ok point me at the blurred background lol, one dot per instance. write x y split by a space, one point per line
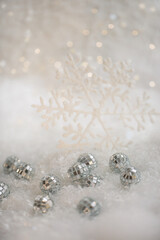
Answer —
37 36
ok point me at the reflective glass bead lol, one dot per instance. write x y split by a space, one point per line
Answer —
89 207
4 190
89 160
24 170
42 204
10 164
50 184
91 180
78 171
118 162
130 176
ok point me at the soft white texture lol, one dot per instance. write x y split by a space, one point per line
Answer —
126 214
132 213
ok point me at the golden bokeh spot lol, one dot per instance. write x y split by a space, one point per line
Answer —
142 6
26 64
94 10
123 24
152 46
135 32
22 59
26 40
110 26
84 64
85 32
136 77
104 32
99 44
57 64
37 51
13 71
100 59
90 74
152 84
69 44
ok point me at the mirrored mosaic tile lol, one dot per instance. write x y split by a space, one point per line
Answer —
4 190
10 164
50 184
78 171
89 160
91 180
42 204
24 170
118 162
89 207
130 176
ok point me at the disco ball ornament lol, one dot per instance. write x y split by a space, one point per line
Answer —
78 171
10 164
24 171
50 184
89 207
89 160
91 180
130 176
42 204
4 190
118 162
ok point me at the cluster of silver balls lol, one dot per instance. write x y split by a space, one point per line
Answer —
81 171
49 185
119 163
20 169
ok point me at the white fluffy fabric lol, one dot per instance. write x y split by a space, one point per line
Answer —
126 214
27 73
